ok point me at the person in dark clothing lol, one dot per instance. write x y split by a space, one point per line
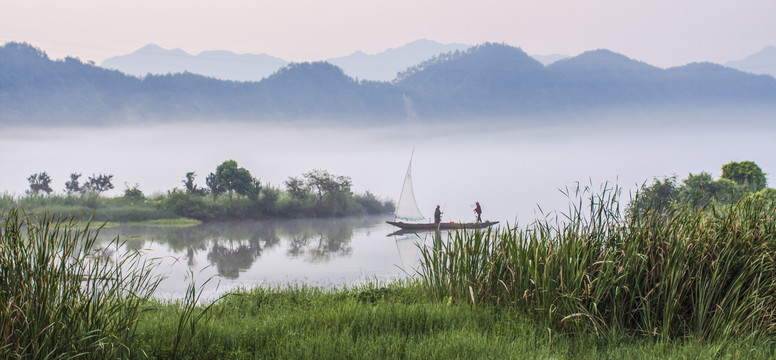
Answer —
437 215
478 210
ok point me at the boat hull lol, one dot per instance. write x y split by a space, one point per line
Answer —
442 226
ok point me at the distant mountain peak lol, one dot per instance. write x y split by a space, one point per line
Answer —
762 62
221 64
385 65
601 60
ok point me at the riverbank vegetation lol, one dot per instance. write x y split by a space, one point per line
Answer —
704 273
61 296
232 193
678 284
667 280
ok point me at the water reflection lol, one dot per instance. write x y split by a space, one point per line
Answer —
234 247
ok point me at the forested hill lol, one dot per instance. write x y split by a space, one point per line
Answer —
489 80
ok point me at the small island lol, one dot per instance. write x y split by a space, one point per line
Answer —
231 193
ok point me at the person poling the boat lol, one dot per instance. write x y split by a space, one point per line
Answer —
437 215
478 211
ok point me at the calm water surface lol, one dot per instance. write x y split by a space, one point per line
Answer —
336 252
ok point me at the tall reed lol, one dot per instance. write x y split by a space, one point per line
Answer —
706 273
60 297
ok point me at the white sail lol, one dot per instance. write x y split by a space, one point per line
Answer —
407 209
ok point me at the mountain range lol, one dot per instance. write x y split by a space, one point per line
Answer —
487 81
225 65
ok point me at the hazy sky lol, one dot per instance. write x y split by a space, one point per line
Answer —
660 32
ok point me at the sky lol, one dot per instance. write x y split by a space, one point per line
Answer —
660 32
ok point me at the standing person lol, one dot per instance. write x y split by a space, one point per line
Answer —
478 210
437 215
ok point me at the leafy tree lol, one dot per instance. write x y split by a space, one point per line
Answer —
39 182
297 188
213 183
324 183
133 193
726 191
191 187
72 186
373 206
768 194
233 179
333 195
253 191
658 195
698 189
746 174
99 183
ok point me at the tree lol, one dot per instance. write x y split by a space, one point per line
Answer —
726 191
39 182
698 189
746 174
324 183
133 193
191 187
72 186
233 179
769 194
99 183
659 195
297 188
213 183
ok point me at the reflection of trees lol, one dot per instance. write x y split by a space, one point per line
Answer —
234 246
230 260
319 241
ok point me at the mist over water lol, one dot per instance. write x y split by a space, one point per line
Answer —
509 169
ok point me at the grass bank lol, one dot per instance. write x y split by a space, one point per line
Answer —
396 321
684 283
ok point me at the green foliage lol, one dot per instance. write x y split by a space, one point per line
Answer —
297 188
660 195
374 206
72 186
191 187
665 274
233 179
317 194
727 192
698 189
99 183
746 174
739 180
394 321
768 194
133 193
39 183
189 206
62 297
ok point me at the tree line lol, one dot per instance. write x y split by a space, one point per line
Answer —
41 183
738 180
231 192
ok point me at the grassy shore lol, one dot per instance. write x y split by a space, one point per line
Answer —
396 321
687 283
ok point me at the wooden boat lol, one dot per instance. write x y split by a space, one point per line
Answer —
442 226
409 218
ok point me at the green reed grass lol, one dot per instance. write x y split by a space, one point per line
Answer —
60 297
394 321
705 273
